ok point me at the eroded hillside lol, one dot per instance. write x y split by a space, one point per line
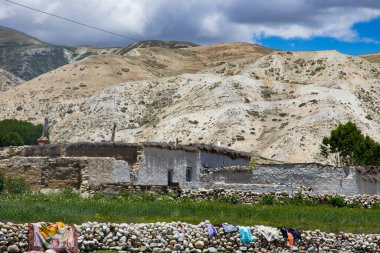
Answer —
8 80
278 105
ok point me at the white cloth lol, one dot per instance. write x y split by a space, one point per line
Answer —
269 233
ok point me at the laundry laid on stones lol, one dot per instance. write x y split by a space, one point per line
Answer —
269 233
211 230
54 235
229 228
245 235
290 234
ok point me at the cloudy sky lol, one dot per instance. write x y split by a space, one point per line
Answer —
349 26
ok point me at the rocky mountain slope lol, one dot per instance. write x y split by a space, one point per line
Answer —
8 80
28 57
277 105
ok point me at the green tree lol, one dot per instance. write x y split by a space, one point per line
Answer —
15 133
12 139
349 146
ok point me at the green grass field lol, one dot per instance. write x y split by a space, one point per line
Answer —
73 209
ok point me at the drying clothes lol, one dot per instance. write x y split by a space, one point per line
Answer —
290 240
229 228
211 230
284 232
245 235
269 233
296 234
56 235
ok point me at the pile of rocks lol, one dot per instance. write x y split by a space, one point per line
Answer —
13 237
184 237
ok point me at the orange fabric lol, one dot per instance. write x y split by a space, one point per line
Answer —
290 240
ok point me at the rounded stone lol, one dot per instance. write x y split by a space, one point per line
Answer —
199 245
13 249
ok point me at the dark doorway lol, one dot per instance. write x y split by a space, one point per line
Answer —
170 177
189 174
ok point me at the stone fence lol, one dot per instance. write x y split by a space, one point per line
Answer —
184 237
242 197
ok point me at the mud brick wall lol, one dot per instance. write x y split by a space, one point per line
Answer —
42 172
62 172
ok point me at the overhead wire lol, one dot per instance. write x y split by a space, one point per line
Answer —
73 21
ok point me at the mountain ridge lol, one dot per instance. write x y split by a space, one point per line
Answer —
28 57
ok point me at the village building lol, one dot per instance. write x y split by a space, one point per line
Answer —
115 165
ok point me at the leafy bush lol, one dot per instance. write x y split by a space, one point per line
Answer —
252 164
2 181
68 193
138 196
268 200
16 133
337 201
17 186
299 199
231 199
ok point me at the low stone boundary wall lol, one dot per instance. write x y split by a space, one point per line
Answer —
244 197
184 237
248 197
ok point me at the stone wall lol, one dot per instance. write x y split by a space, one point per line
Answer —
87 173
92 166
41 172
185 237
100 172
287 177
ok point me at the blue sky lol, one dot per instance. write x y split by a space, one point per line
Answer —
368 41
349 26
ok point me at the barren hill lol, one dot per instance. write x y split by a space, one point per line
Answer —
374 58
92 74
278 105
172 44
11 37
8 80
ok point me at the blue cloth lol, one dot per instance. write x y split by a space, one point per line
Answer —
245 235
211 230
229 228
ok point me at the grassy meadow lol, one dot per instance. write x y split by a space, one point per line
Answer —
70 208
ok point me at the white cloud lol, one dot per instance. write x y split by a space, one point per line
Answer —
50 8
194 20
